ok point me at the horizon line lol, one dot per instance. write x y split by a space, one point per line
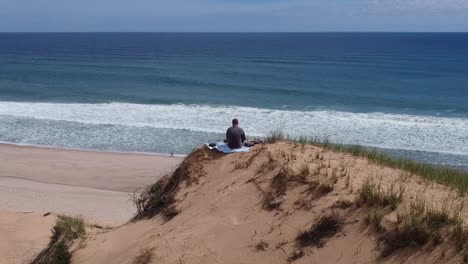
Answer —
228 32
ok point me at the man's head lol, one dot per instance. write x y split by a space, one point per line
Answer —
235 122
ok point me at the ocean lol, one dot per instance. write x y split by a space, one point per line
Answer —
402 93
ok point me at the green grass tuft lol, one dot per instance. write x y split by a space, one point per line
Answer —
66 230
373 195
61 254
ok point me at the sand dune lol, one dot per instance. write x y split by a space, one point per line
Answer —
253 208
279 203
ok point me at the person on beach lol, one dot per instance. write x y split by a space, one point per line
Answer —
235 135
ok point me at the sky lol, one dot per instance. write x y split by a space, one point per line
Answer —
233 15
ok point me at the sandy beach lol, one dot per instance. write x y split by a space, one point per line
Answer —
122 172
279 203
95 185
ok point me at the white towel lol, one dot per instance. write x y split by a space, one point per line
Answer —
222 147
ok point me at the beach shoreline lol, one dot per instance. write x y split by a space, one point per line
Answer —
26 145
88 183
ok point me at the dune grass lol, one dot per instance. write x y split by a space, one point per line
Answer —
275 136
420 224
342 204
278 187
452 177
261 246
325 227
66 230
156 199
374 195
160 198
374 218
441 174
145 256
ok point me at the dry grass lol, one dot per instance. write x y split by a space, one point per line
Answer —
279 183
263 167
278 187
159 198
417 225
420 224
315 186
325 227
324 187
460 237
303 170
261 246
145 256
156 199
342 204
285 178
270 202
267 165
374 218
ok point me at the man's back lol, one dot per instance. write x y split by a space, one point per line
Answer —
235 136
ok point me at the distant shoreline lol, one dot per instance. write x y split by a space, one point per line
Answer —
25 145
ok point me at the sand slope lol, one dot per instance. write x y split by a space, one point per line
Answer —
97 206
223 218
23 235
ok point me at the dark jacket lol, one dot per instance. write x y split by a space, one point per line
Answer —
235 136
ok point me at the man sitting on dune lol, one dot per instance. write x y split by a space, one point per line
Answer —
235 135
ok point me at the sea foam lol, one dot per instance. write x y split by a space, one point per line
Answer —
392 131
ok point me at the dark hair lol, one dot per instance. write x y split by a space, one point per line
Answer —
235 121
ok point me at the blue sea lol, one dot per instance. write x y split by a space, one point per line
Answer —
403 93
